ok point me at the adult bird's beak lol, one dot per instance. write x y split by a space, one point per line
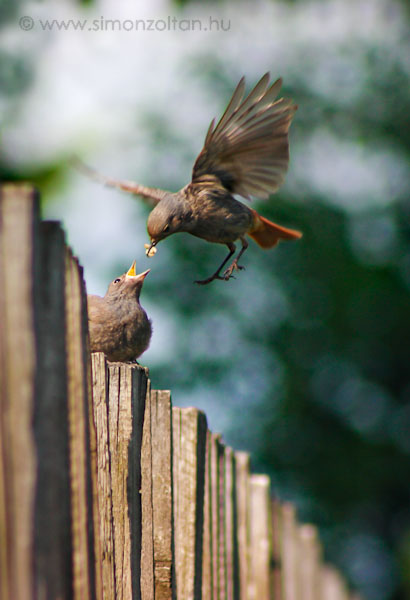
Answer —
132 274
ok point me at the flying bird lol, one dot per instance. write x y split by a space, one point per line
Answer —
117 323
245 154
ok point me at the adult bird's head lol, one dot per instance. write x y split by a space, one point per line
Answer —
171 215
129 285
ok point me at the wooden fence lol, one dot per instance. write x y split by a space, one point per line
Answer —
107 491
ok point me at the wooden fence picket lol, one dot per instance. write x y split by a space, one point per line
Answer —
189 445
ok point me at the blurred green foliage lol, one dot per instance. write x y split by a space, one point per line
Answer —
308 349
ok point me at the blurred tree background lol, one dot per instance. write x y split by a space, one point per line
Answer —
303 359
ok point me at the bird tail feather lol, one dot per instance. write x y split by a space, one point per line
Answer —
268 234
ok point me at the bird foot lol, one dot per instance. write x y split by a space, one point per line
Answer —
233 267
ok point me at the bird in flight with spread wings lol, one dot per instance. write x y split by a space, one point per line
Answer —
245 154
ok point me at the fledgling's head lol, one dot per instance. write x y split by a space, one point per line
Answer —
128 286
168 217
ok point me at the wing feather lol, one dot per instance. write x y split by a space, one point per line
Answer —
248 149
233 103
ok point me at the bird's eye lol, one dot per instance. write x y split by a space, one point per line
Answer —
117 280
166 228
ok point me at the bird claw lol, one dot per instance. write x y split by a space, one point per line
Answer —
234 267
225 277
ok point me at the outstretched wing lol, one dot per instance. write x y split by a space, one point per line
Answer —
248 150
150 195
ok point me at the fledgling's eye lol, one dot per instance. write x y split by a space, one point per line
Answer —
166 228
117 280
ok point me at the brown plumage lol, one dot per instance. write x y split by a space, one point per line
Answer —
118 324
247 153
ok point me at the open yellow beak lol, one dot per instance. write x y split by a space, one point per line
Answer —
132 273
144 274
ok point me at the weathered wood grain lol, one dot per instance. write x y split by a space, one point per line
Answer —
333 585
189 442
207 534
231 527
19 224
52 521
78 370
222 583
140 392
260 557
309 573
127 392
215 444
242 499
105 492
161 431
147 548
276 536
106 557
97 565
290 553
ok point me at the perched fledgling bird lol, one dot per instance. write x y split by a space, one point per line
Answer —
118 324
247 153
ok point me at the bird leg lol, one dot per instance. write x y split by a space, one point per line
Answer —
216 275
234 266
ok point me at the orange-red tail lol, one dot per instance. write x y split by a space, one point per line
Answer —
268 234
